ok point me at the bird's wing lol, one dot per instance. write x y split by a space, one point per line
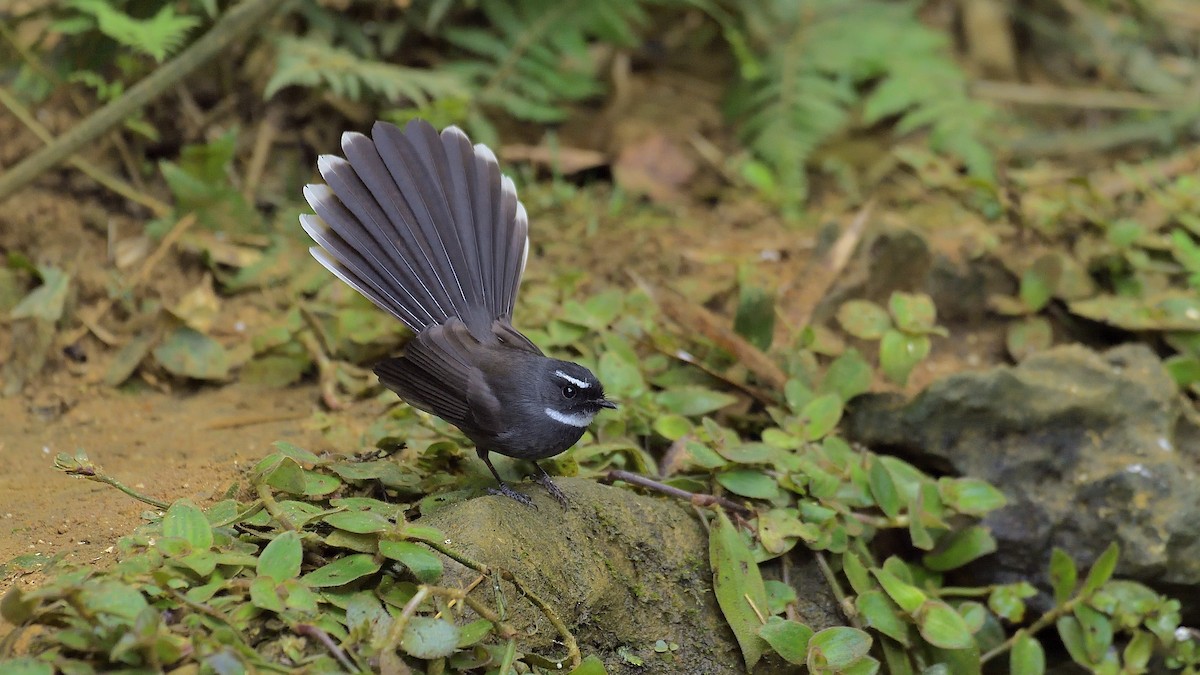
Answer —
436 374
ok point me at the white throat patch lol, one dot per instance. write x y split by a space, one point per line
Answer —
579 419
573 380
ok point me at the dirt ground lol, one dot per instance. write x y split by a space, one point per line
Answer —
165 445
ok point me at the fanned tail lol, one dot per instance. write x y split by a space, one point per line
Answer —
422 224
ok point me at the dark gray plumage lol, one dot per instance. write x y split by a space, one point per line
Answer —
425 226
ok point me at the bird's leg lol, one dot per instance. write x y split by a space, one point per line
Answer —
547 482
504 489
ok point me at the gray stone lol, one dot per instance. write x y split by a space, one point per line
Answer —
1089 448
621 569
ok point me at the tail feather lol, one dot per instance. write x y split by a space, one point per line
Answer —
422 224
351 268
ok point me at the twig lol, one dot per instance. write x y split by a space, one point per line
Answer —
836 588
264 139
694 498
309 630
272 507
820 276
82 467
236 23
254 419
552 616
456 556
157 207
695 318
93 320
1033 94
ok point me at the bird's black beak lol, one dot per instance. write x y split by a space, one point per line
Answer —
605 403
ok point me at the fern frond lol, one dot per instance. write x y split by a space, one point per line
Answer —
817 61
533 56
159 36
311 63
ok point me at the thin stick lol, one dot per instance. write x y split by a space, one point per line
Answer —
234 25
696 499
254 419
551 616
264 139
821 277
693 317
157 207
132 282
82 467
309 630
272 507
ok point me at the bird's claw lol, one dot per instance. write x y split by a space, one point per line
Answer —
505 491
545 481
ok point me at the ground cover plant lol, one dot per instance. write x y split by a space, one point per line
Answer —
752 221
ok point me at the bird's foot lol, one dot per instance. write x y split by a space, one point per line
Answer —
547 482
505 491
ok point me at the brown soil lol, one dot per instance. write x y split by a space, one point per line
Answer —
162 445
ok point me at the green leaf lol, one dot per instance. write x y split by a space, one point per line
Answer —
914 313
788 638
750 483
1102 570
263 594
27 666
856 573
342 571
672 427
959 547
908 597
188 353
836 649
737 583
1138 652
422 562
184 520
970 496
900 352
883 489
359 522
694 401
1063 575
286 476
474 632
848 376
592 665
1027 657
281 557
428 638
821 416
864 319
1097 631
942 626
1028 336
1040 281
1072 638
620 377
883 615
755 317
47 301
1008 601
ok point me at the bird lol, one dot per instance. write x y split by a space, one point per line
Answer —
425 226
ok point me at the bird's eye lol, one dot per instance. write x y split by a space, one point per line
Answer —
568 391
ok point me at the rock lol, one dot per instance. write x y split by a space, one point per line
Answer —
621 569
1089 448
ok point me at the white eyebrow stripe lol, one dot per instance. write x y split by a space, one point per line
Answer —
579 420
573 380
